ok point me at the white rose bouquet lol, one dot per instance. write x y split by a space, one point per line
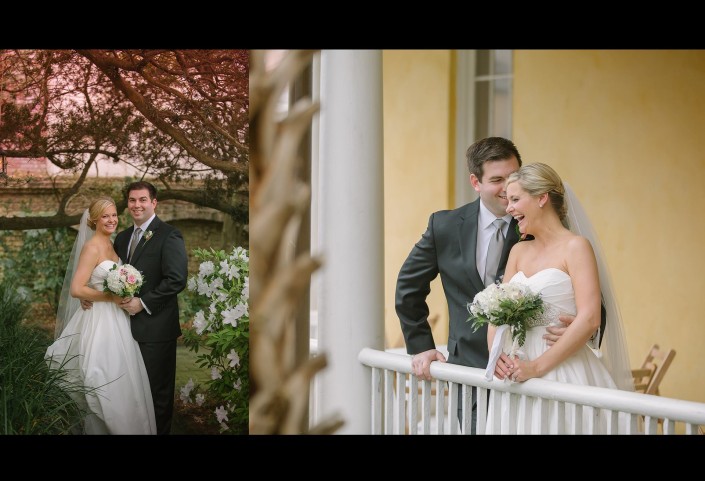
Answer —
125 280
509 307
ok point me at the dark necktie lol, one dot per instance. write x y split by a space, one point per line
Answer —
494 252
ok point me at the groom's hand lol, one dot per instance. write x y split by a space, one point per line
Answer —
132 305
421 363
553 333
86 304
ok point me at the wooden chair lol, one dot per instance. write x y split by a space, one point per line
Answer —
648 377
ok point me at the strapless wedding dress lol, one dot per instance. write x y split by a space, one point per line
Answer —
97 349
583 367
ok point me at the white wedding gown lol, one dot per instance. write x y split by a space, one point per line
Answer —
98 351
583 367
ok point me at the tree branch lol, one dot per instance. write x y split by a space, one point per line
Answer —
151 113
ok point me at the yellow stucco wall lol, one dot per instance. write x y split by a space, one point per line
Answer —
416 166
624 128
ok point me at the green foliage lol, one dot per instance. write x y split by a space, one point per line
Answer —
40 264
33 398
221 331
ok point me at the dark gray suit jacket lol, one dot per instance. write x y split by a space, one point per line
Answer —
163 262
447 247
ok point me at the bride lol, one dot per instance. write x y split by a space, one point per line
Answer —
96 346
563 267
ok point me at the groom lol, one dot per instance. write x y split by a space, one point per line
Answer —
455 245
158 251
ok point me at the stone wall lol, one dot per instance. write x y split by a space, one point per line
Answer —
201 227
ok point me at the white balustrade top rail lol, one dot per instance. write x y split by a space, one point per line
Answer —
654 407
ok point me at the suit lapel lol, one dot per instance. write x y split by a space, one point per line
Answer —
467 239
153 226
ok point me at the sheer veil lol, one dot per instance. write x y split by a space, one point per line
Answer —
69 305
615 355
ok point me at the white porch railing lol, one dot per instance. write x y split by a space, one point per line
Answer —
401 414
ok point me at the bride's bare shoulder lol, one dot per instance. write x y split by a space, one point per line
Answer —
578 244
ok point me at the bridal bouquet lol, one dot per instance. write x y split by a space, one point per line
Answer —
506 304
509 307
125 280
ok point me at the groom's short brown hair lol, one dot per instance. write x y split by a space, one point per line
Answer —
139 185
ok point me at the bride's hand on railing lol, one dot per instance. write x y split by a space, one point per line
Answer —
503 368
421 363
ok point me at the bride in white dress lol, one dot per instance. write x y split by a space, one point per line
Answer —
95 346
563 268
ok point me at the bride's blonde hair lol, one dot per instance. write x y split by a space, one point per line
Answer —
538 179
96 209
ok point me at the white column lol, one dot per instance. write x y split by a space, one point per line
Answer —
351 231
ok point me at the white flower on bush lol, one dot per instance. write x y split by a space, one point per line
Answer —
237 384
199 323
215 373
231 271
207 268
246 289
200 399
202 287
234 358
221 414
185 395
230 316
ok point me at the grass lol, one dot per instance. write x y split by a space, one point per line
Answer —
191 419
186 368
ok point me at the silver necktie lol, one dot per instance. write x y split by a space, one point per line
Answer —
134 242
494 252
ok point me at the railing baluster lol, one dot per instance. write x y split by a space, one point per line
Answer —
543 405
523 415
376 401
413 404
577 419
669 427
426 406
388 401
481 409
453 407
400 401
650 425
611 421
467 409
440 406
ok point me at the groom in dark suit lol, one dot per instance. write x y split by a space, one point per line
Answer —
157 250
455 245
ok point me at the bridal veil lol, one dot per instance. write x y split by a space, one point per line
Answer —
615 355
68 305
